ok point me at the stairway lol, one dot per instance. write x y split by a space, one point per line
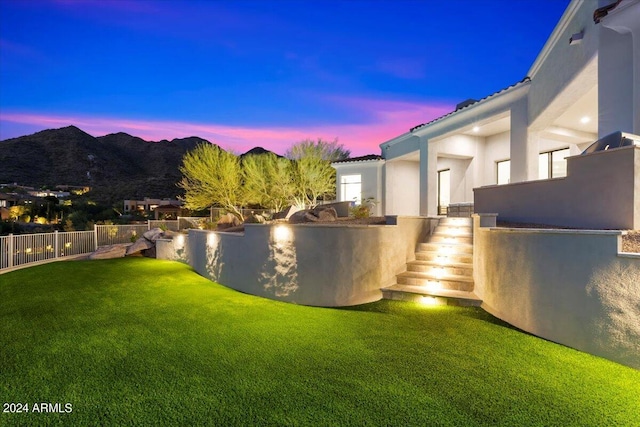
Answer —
442 273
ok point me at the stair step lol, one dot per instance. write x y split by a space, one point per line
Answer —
436 268
431 281
446 247
432 297
444 259
442 238
456 221
454 229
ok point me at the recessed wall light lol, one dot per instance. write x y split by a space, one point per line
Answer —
476 129
585 119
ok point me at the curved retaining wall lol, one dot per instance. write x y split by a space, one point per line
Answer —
569 286
319 265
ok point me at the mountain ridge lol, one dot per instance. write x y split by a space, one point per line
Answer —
116 166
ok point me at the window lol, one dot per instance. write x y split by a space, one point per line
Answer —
503 172
351 188
553 164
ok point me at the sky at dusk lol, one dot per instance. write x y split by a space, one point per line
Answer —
259 73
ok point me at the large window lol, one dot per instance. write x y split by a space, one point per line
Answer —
351 188
503 172
553 164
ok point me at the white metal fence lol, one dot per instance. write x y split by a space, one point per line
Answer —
32 248
21 249
112 234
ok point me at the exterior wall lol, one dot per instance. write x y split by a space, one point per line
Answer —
601 191
371 179
559 62
318 265
496 150
402 188
571 287
462 178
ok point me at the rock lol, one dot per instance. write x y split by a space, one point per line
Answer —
342 208
319 214
326 214
153 234
150 253
140 245
227 221
286 213
111 251
254 219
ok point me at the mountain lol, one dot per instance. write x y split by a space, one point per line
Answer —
117 166
258 151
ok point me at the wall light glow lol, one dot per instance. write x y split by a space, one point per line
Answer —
425 300
281 234
179 240
476 129
212 240
585 119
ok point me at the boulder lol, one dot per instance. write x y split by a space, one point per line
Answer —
154 234
254 219
286 213
227 221
140 245
342 208
319 214
111 251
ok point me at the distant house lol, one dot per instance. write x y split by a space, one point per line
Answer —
160 207
511 152
6 201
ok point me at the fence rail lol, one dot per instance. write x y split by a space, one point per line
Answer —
21 249
33 248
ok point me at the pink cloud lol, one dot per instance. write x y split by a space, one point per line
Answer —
387 119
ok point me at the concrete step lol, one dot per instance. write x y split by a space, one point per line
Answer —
431 297
439 268
446 247
442 238
454 229
443 258
456 221
435 281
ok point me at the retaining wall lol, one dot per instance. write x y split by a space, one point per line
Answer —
572 287
320 265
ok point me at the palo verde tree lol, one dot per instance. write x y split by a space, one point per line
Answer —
311 172
325 150
267 180
212 176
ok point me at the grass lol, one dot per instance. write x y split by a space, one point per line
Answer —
146 342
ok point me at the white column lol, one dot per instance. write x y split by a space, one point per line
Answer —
523 146
619 70
428 178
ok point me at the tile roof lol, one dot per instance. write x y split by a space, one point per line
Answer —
367 158
469 104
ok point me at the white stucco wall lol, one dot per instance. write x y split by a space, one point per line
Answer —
371 180
571 287
496 149
601 191
559 62
402 188
319 265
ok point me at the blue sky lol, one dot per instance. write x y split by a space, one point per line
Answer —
268 73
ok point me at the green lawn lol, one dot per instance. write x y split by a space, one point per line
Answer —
145 342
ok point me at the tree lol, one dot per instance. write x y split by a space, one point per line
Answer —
267 180
325 150
212 176
311 171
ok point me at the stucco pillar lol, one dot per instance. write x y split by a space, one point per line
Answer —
523 146
428 178
619 71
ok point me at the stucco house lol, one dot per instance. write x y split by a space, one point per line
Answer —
517 152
